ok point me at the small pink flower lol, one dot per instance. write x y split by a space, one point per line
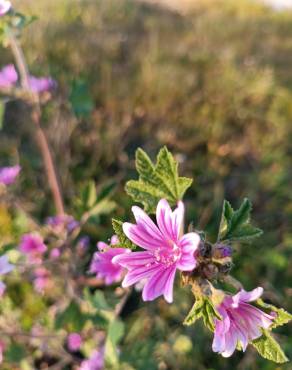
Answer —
95 362
9 174
2 347
5 6
42 279
32 245
102 263
55 253
241 322
41 84
5 267
74 342
8 76
62 223
166 250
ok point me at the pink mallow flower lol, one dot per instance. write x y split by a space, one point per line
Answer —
5 267
74 342
32 245
241 322
102 262
95 362
8 74
166 250
8 174
5 6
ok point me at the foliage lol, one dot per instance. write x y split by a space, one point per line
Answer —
160 181
153 77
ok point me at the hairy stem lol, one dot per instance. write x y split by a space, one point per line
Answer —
36 118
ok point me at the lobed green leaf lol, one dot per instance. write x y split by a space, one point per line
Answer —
269 348
203 308
124 242
235 225
157 181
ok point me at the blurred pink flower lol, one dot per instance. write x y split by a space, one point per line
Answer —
5 267
2 347
74 342
55 253
241 322
8 76
62 223
102 264
9 174
95 362
41 84
5 6
32 245
166 250
42 279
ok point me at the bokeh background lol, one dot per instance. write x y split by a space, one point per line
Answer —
212 80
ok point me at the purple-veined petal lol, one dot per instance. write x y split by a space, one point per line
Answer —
245 296
135 275
160 283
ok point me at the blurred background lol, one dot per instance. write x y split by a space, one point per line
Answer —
212 80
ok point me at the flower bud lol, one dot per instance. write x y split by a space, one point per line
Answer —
222 251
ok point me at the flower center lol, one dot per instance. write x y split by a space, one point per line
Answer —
167 256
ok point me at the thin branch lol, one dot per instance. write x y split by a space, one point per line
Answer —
36 117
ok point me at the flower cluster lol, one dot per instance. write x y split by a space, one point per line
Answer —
166 249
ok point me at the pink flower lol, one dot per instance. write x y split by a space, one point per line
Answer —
95 362
2 347
5 6
62 223
166 250
9 174
41 84
42 279
74 342
5 267
55 253
241 322
102 263
32 245
8 74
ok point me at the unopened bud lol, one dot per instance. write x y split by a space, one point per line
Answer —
222 251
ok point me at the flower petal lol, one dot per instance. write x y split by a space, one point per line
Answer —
244 296
139 236
170 223
137 274
160 283
134 259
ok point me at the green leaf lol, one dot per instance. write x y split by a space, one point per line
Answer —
15 353
124 242
98 300
157 181
203 308
235 225
80 98
71 318
115 332
269 348
282 317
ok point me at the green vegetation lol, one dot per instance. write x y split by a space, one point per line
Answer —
215 86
